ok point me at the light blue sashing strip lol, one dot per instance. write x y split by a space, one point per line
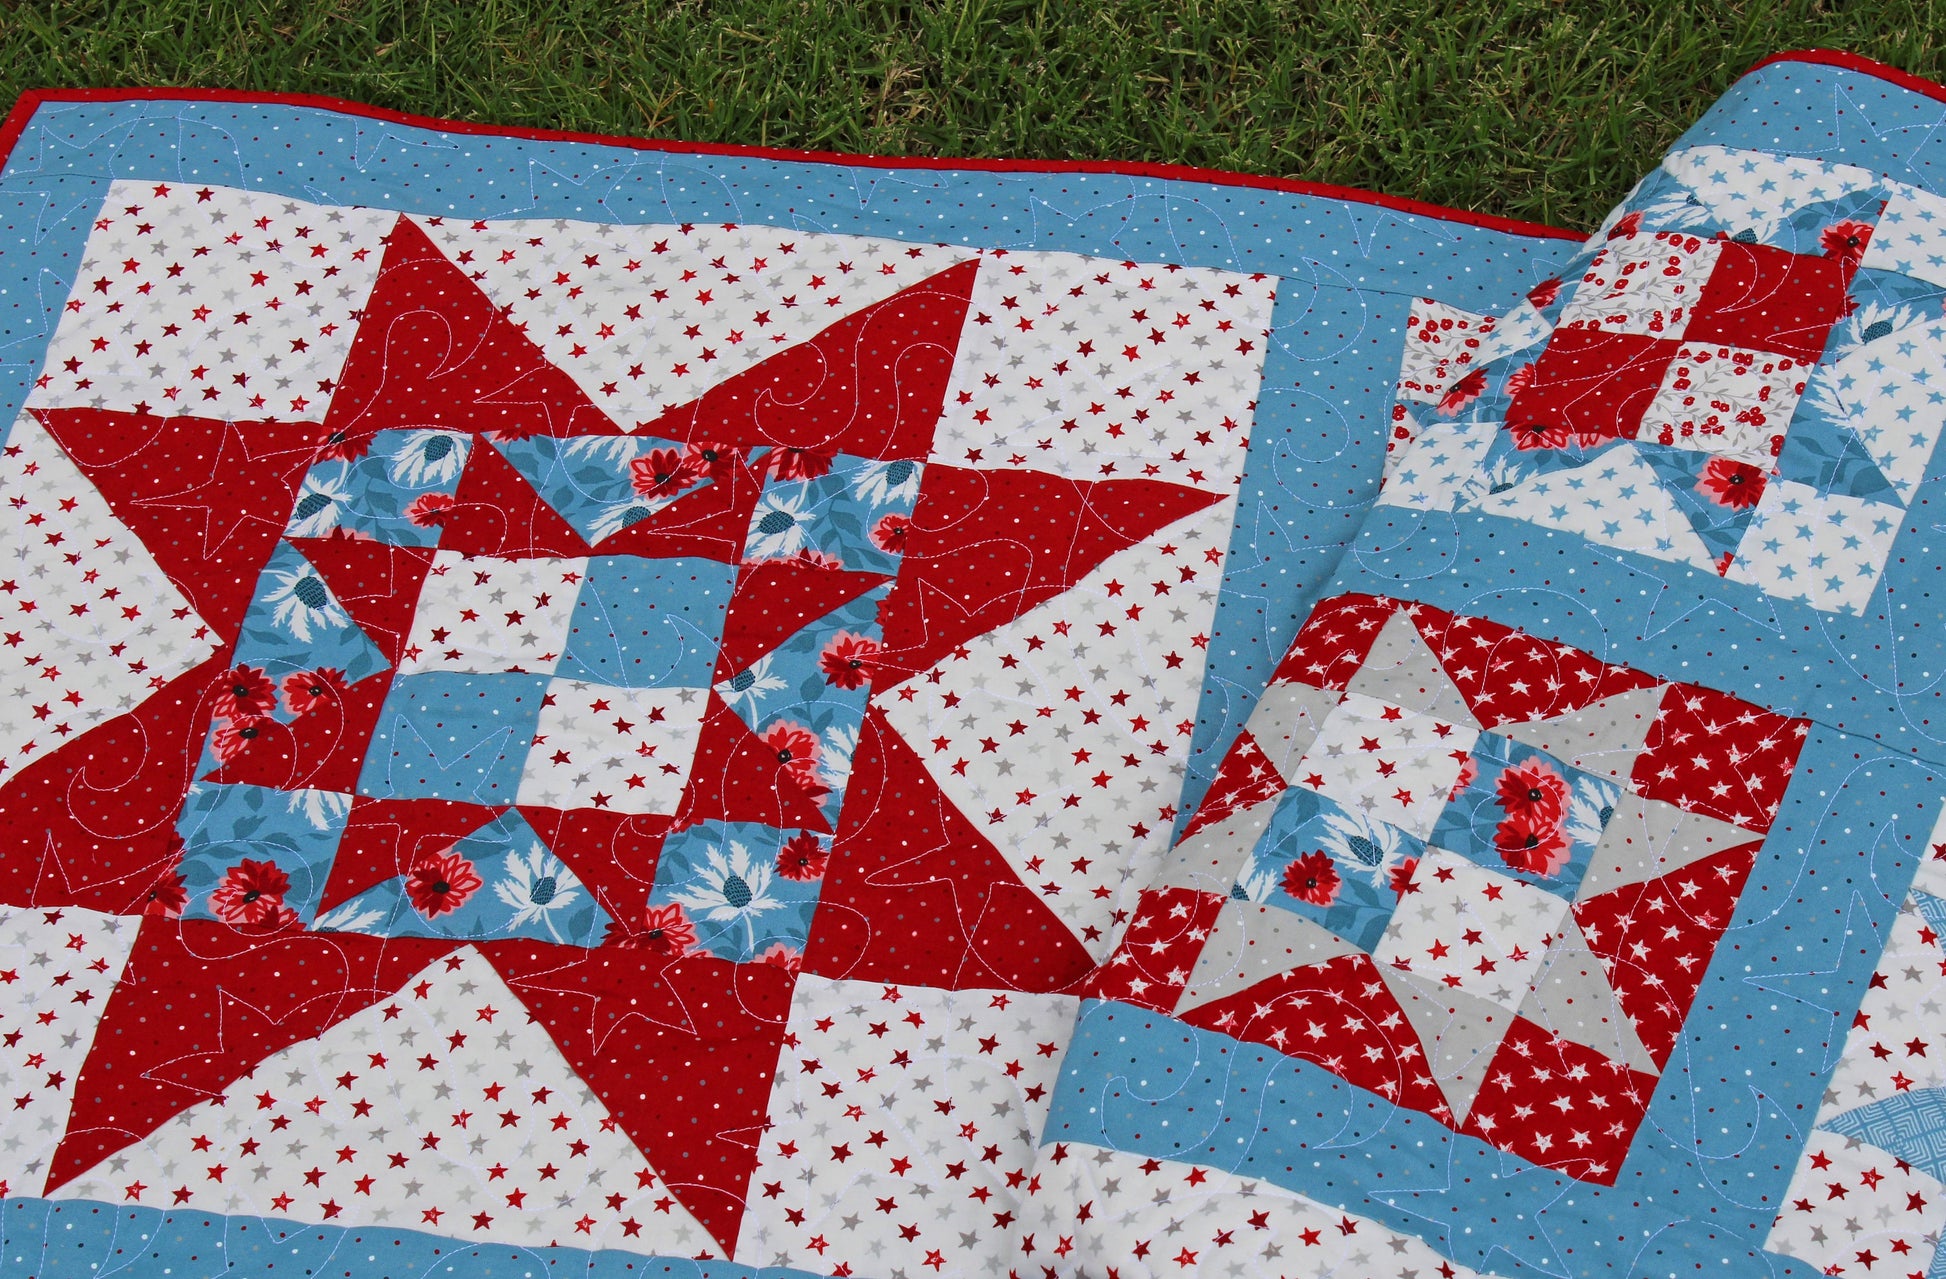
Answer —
1881 675
1348 271
1702 1181
77 1239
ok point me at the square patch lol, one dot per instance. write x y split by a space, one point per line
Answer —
445 735
1643 282
1470 929
489 615
1386 763
627 750
647 623
1727 401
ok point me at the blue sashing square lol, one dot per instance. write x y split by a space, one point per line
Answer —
453 735
396 492
748 890
1329 864
1521 812
648 623
253 856
851 516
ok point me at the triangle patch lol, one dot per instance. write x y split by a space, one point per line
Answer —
870 385
1655 939
1620 503
199 1005
774 600
1602 738
94 823
1401 671
1458 1031
972 563
915 893
1339 1014
375 583
680 1052
1250 944
738 776
427 1099
433 352
208 499
497 512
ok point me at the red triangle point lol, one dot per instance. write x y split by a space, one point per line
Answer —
738 777
433 352
200 1004
916 893
376 583
872 385
775 599
497 512
681 1052
972 563
94 823
207 498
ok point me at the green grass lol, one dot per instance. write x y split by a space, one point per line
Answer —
1538 109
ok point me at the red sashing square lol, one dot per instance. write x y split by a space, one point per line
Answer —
1766 299
1560 1104
1587 387
1714 754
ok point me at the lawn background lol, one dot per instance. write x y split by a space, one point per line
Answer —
1540 109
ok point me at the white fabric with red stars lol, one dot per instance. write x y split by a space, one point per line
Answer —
627 750
1386 763
89 624
485 614
57 969
647 318
1898 1035
1470 929
902 1128
214 302
444 1108
1097 370
1853 1209
1064 734
1099 1211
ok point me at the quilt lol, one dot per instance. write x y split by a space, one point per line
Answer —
595 707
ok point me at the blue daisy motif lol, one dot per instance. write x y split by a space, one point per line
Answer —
428 459
538 887
731 888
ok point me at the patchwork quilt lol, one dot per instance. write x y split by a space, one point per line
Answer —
585 707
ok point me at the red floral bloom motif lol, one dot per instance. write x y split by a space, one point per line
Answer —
251 892
803 858
1730 483
233 736
663 473
781 956
1520 379
1846 240
1540 435
714 461
343 534
1532 789
800 464
245 692
1312 878
1531 842
1463 392
847 660
167 899
1544 292
1628 225
1468 771
888 534
440 882
306 691
666 930
336 446
1402 876
797 750
429 509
